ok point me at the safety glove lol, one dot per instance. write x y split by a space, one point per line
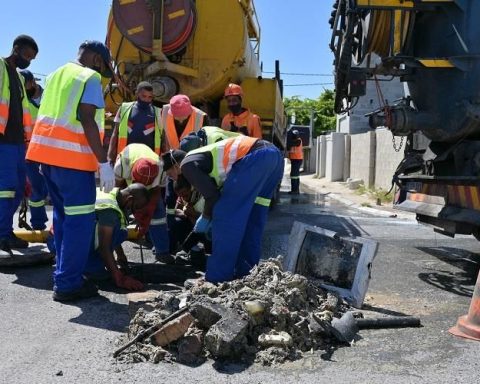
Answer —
107 177
203 225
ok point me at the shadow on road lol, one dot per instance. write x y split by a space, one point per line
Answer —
39 277
460 281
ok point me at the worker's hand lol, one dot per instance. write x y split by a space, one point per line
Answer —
127 282
203 225
107 177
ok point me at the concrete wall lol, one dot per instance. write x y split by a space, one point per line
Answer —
362 157
387 159
356 121
335 156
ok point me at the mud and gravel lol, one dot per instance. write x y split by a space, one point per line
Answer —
268 317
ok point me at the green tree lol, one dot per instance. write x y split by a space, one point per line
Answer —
324 116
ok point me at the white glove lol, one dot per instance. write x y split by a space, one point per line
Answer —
107 177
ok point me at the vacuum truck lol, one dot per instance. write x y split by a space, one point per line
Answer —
195 48
434 48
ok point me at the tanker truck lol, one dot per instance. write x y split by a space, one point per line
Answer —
195 48
434 48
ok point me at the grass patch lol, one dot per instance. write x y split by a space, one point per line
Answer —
376 194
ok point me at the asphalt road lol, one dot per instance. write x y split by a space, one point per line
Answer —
416 272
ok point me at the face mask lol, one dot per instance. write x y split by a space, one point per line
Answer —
235 108
97 68
21 62
143 104
30 93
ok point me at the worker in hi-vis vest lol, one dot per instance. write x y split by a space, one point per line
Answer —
67 141
15 129
237 178
139 164
295 154
39 191
240 119
179 119
137 122
112 210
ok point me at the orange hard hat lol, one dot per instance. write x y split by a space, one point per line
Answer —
233 90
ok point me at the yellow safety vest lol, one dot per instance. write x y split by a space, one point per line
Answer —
58 138
125 110
5 102
215 134
225 153
131 154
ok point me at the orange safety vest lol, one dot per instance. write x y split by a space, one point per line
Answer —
296 153
58 137
225 153
195 123
5 102
245 119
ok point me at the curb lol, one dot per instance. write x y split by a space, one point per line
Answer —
351 204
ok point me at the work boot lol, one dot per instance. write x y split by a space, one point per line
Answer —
182 258
5 250
293 192
87 290
15 242
165 258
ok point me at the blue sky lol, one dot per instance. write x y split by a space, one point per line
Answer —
295 32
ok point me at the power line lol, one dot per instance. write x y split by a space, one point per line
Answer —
302 74
306 85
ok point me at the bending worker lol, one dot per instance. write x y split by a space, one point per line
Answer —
247 170
36 202
67 141
15 129
137 122
179 119
295 154
112 210
137 163
240 119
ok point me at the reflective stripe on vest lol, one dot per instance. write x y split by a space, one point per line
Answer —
215 134
296 153
134 152
125 110
195 122
58 138
5 102
108 200
225 153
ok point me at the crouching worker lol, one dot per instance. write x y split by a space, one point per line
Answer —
137 163
237 178
112 210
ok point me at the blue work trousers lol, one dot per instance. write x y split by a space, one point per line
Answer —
73 197
38 213
295 165
12 184
158 231
240 215
95 262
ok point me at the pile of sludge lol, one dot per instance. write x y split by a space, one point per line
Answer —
269 316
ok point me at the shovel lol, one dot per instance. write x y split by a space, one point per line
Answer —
346 328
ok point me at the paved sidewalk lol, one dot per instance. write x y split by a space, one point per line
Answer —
339 191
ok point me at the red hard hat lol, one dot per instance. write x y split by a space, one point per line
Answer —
233 90
144 171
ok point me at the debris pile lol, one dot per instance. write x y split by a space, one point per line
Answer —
269 316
